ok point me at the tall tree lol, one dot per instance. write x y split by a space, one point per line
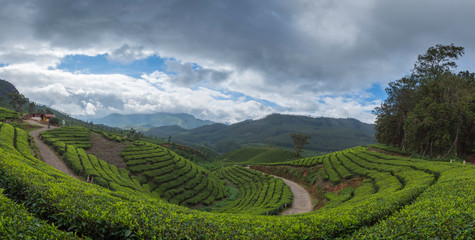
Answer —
299 140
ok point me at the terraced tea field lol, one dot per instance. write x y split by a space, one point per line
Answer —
171 177
402 198
260 194
7 114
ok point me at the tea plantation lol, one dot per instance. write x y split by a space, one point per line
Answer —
402 198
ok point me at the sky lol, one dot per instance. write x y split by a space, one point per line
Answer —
224 61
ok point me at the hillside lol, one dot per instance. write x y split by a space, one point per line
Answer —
139 166
254 155
146 121
6 88
402 197
328 134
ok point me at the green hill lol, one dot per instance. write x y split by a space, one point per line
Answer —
254 155
151 169
328 134
408 198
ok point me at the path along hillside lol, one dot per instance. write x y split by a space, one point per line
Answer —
405 198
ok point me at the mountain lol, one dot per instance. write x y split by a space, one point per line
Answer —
328 134
146 121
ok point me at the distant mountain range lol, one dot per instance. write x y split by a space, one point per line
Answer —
328 134
145 121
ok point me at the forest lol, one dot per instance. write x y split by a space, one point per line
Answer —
432 111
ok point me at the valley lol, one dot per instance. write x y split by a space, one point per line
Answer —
153 191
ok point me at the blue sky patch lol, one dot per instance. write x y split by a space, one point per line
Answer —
377 90
101 64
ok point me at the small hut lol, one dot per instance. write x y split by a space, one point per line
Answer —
41 117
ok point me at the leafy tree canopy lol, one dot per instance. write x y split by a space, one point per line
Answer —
299 140
432 110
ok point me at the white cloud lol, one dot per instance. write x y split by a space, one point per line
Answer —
294 54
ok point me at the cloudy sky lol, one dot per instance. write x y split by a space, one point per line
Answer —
223 60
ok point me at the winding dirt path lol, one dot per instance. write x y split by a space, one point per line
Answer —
301 202
47 154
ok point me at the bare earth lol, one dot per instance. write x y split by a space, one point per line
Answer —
47 154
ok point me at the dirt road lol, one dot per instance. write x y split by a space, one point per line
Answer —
301 202
47 154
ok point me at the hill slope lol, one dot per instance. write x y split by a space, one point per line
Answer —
254 155
328 134
409 196
145 121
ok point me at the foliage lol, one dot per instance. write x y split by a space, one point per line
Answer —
172 177
430 112
299 140
17 100
55 121
17 223
260 194
7 114
78 137
411 198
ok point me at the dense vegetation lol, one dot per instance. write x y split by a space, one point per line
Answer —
172 177
410 198
70 142
259 193
78 137
328 134
432 111
7 114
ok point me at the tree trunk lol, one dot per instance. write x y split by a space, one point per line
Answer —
453 144
431 144
404 141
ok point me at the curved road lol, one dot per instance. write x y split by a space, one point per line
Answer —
47 154
301 202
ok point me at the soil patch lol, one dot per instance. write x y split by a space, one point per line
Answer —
107 150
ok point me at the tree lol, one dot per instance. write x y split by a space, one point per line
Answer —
437 60
31 107
17 100
54 121
299 140
430 112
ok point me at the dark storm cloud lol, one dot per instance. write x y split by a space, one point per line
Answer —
269 50
326 44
